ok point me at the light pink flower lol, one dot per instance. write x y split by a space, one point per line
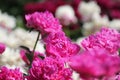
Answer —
44 22
107 38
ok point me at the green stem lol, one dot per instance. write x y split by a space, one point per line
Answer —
35 45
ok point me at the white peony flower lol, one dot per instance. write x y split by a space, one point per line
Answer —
115 24
28 39
88 9
10 56
19 37
7 21
88 28
99 20
75 76
3 35
66 14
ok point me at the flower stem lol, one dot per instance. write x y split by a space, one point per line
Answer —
35 45
36 42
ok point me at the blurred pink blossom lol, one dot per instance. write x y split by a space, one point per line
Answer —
110 7
2 48
95 63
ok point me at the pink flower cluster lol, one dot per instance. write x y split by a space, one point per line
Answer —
10 74
106 38
62 56
49 69
55 41
2 48
99 59
59 49
95 63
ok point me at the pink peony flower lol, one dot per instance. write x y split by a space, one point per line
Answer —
49 69
44 22
106 38
10 74
96 63
2 48
57 44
